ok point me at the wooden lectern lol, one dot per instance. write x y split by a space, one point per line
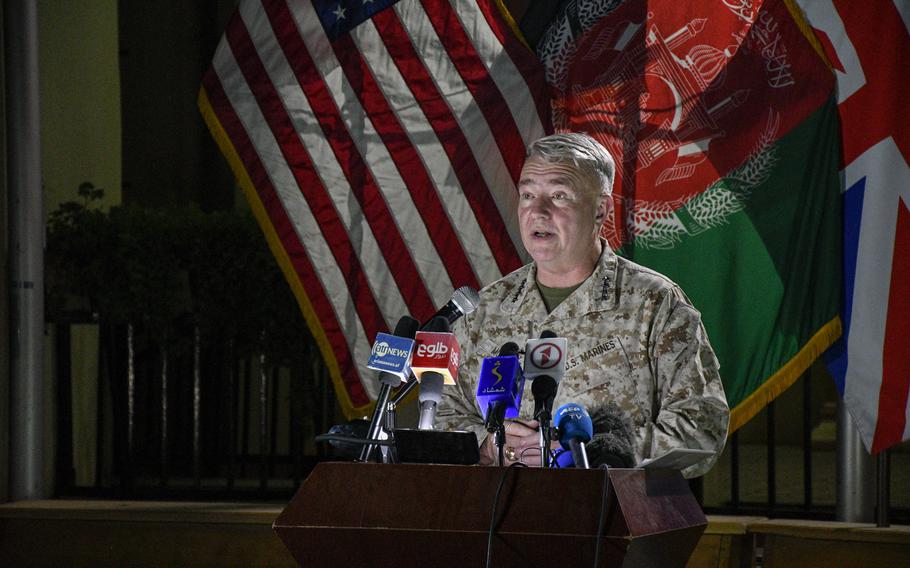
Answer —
361 514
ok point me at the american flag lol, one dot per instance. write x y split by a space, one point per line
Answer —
378 143
868 45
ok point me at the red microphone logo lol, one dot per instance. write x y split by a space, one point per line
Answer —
546 355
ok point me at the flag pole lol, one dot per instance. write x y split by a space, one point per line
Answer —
855 472
26 250
883 463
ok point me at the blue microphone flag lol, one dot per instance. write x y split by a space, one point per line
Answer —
391 354
501 380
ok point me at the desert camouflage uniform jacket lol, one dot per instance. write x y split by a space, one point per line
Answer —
634 339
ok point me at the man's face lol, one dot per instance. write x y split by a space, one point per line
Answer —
560 216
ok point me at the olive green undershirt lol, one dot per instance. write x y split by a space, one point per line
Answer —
552 297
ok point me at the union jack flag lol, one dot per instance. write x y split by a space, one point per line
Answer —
868 45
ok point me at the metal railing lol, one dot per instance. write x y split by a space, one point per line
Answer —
790 457
185 416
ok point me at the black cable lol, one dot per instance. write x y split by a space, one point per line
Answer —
521 456
607 487
352 440
502 481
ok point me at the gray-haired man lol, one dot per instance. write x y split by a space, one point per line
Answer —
635 341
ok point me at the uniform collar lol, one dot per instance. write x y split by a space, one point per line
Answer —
597 292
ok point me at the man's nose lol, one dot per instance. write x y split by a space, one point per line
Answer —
540 207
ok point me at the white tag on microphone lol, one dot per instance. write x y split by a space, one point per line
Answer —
546 357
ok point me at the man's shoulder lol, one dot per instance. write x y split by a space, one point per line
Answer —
631 273
502 304
509 287
638 281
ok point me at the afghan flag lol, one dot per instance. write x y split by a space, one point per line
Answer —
722 117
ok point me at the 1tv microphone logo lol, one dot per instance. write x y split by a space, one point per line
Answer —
546 355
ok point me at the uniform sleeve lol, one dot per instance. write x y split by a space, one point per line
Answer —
692 409
458 409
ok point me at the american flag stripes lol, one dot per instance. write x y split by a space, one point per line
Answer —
378 143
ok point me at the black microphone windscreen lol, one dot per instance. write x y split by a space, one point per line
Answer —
613 442
438 324
407 327
509 348
543 387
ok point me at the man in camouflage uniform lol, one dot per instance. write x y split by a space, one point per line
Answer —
634 340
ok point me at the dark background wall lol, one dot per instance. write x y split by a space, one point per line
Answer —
169 157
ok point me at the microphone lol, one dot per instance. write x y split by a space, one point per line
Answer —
575 430
500 387
613 444
545 363
353 429
464 301
435 363
391 356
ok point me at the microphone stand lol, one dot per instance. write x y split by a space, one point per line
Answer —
386 408
404 390
496 425
393 404
390 453
579 453
545 437
376 424
544 390
500 441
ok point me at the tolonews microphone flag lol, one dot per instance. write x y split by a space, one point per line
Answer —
378 144
435 365
437 352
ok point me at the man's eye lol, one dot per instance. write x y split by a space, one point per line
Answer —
559 196
527 196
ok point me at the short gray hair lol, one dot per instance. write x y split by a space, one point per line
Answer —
581 150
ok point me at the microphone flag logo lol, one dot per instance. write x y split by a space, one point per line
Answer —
391 354
495 372
436 351
546 355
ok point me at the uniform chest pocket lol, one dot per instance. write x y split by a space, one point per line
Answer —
594 365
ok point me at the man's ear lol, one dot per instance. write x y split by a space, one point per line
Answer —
604 208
